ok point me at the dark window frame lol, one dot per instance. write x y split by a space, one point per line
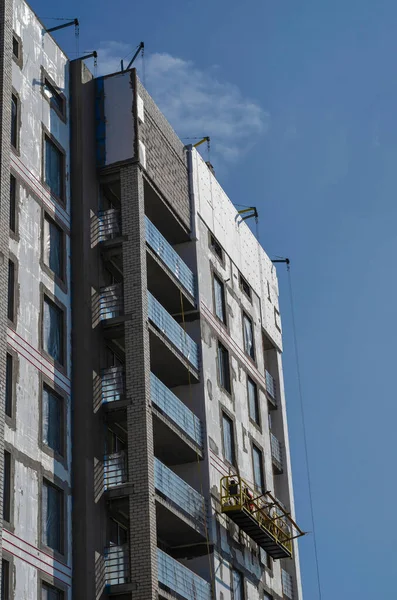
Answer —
256 419
7 487
246 316
47 295
242 582
216 248
60 454
15 127
17 42
10 400
61 551
245 287
224 376
13 216
6 570
47 137
217 280
60 280
256 448
225 416
59 105
11 291
45 581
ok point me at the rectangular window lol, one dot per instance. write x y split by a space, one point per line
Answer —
9 385
52 516
220 305
11 291
15 47
53 330
267 596
238 585
118 534
49 592
53 167
14 121
53 247
248 336
224 368
5 580
228 439
258 468
216 248
52 417
56 99
253 402
13 203
245 286
7 487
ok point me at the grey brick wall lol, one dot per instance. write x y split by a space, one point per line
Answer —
166 157
5 137
143 536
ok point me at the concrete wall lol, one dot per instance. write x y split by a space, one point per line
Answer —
31 461
242 254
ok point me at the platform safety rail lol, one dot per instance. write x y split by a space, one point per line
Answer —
261 516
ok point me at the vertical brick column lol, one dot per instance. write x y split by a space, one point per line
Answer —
143 537
5 139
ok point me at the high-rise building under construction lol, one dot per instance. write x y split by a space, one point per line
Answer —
143 418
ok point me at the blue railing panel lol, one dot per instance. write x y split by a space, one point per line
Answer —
175 409
181 580
179 492
172 330
169 257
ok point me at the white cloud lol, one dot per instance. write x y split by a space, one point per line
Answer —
196 102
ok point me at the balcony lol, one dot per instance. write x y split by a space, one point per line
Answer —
117 565
111 302
112 384
115 469
182 356
271 389
261 517
109 225
162 253
179 581
178 433
277 453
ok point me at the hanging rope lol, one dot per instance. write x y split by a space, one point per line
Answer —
304 429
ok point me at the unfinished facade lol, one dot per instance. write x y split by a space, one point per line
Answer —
145 437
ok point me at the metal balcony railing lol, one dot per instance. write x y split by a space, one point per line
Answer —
116 565
277 452
287 583
175 409
169 257
178 492
113 384
181 580
173 331
271 386
111 301
109 224
115 469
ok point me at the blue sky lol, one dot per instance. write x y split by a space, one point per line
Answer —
299 99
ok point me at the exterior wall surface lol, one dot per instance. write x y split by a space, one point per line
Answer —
32 460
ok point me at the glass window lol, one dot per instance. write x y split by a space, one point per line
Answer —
48 592
9 384
219 293
11 291
52 417
53 330
245 286
53 170
228 438
216 247
253 402
14 121
15 46
13 203
7 487
258 468
248 336
118 534
224 368
238 585
53 246
5 579
56 99
52 516
267 596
